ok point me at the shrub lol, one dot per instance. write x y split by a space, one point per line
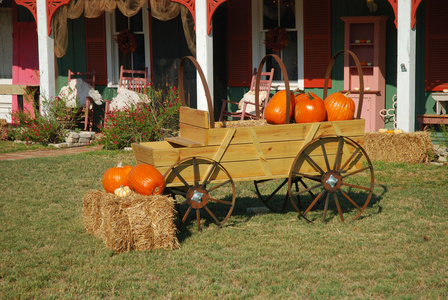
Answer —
146 121
46 128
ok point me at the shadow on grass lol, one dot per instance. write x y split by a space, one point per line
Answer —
240 211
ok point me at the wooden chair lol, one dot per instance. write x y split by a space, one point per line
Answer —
265 85
134 80
88 77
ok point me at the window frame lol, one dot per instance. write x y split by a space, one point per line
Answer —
258 47
113 67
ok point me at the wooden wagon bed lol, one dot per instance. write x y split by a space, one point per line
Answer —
247 153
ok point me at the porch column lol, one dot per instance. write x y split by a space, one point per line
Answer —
46 55
406 49
204 53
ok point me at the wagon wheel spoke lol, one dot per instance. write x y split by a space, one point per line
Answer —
350 200
324 153
315 178
336 200
209 173
213 216
195 172
207 187
338 153
180 177
184 218
313 163
220 185
274 200
220 201
327 200
313 203
352 156
198 219
307 189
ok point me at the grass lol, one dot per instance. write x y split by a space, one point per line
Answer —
10 147
397 249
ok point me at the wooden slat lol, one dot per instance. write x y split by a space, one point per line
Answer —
194 133
259 150
224 145
12 89
183 142
193 117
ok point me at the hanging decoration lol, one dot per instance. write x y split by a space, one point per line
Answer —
276 39
126 40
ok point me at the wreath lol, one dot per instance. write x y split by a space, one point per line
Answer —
276 39
126 40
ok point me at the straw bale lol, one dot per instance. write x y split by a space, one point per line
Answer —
136 222
243 123
411 147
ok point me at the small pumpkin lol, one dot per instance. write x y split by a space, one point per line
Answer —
275 111
116 177
145 179
123 191
309 108
339 107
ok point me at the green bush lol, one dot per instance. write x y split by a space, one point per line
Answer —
146 121
49 127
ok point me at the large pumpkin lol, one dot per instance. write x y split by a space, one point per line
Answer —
116 177
309 108
145 179
339 107
275 111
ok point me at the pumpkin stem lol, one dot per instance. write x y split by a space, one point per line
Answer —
310 96
120 162
346 94
298 91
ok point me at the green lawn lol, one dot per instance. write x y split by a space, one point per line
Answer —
397 249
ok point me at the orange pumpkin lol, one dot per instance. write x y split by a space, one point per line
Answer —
146 180
339 107
275 111
309 108
116 177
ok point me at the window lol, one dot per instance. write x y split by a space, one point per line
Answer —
5 43
281 14
308 25
139 59
284 14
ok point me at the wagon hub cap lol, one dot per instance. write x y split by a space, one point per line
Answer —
332 181
197 197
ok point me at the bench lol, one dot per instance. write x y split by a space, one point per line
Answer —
431 119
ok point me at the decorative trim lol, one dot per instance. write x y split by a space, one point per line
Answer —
414 7
394 4
212 5
190 4
52 6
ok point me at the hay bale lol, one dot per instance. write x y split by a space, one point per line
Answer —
136 222
242 123
411 147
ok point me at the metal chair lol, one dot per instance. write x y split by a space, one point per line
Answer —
264 85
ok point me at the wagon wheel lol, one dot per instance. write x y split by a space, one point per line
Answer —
202 186
275 200
336 170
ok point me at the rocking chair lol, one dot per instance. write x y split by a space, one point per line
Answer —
88 77
247 104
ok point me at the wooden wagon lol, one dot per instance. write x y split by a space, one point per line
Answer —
315 162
